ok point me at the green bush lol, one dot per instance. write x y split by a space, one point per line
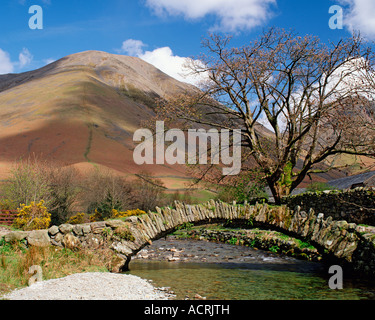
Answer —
243 191
318 186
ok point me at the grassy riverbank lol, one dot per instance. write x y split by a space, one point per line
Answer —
15 261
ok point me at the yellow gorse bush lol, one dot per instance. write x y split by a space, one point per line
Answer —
79 218
32 217
129 213
95 216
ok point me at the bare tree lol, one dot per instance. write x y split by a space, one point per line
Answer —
104 191
148 192
298 87
65 187
33 180
27 183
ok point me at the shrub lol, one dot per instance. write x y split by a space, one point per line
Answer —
104 192
33 179
241 192
249 187
105 208
318 186
65 187
96 216
129 213
78 218
6 205
32 217
177 196
148 192
27 183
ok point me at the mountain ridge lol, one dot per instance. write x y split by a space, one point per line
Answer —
81 109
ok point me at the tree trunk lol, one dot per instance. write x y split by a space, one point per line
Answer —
281 184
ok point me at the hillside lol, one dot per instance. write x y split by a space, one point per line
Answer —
83 109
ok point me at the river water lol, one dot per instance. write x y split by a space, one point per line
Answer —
219 271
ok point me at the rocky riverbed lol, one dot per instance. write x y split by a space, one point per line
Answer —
174 250
219 245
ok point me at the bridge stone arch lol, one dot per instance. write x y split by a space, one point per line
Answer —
351 243
345 241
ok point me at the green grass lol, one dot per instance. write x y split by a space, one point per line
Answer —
202 196
16 259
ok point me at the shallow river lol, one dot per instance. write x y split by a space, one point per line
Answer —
227 272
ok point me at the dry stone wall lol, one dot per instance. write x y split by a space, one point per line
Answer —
357 205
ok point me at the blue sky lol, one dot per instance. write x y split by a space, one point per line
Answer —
161 32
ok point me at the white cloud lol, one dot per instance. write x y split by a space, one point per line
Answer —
163 59
173 65
6 66
25 58
360 16
132 47
233 15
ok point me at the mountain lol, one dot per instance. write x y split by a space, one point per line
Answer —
82 110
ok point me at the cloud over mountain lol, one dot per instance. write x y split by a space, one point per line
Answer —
162 58
6 66
25 58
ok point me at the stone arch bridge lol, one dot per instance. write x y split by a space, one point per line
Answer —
348 242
